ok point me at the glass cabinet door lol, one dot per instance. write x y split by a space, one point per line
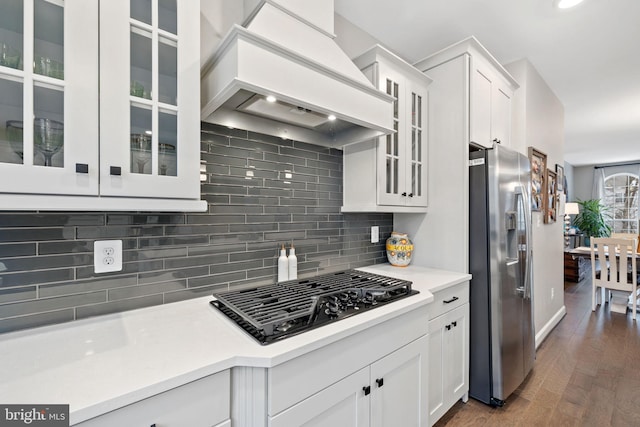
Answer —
150 124
416 152
48 106
390 149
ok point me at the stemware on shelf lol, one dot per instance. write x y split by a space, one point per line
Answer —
15 136
140 151
48 137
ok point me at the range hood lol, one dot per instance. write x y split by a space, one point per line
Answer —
282 74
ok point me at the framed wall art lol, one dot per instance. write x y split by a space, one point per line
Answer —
538 162
560 178
551 197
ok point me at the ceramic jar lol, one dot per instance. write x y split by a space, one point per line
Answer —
399 249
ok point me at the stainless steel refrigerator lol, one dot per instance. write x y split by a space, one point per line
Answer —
501 346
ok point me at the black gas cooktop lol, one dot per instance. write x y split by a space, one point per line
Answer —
274 312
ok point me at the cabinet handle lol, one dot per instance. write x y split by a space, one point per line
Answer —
82 168
449 301
454 324
404 194
366 390
496 140
380 382
410 194
115 170
448 327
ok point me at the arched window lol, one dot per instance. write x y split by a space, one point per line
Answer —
621 197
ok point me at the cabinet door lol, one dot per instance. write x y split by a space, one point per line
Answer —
391 148
448 360
457 343
343 404
416 148
480 103
436 373
149 108
399 387
49 97
501 114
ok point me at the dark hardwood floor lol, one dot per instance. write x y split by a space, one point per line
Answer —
586 373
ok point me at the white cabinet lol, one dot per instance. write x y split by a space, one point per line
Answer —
389 174
452 110
386 393
48 97
491 94
99 103
341 404
375 377
448 350
205 403
397 386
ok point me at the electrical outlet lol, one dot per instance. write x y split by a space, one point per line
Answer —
107 256
375 234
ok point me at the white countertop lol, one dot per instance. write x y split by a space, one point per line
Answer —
100 364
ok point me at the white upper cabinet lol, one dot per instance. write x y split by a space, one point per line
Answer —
107 107
149 121
491 90
490 99
389 174
49 97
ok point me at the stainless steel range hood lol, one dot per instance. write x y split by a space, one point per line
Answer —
321 97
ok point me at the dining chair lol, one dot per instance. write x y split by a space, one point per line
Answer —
617 258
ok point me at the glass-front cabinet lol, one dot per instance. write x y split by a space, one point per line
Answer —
402 155
400 158
100 98
49 97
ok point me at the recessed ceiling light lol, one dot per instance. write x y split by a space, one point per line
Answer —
271 98
566 4
331 117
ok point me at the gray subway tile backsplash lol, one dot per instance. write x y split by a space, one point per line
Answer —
262 191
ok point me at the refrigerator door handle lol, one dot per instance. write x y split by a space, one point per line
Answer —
523 194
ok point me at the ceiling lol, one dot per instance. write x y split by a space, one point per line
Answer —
588 55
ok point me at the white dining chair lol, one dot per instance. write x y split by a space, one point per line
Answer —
617 259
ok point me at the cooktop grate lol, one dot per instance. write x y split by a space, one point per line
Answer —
264 309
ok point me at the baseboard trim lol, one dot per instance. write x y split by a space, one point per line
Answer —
548 327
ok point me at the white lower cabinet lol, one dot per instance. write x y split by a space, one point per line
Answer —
341 404
389 392
204 402
448 350
399 382
375 377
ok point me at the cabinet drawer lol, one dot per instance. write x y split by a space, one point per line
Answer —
204 402
448 299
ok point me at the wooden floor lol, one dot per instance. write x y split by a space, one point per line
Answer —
586 373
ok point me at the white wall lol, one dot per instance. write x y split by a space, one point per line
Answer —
539 122
351 39
216 18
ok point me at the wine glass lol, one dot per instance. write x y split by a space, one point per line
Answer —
48 137
140 151
16 138
167 159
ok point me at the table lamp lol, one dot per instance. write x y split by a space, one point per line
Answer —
569 209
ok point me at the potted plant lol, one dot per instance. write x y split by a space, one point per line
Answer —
591 219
